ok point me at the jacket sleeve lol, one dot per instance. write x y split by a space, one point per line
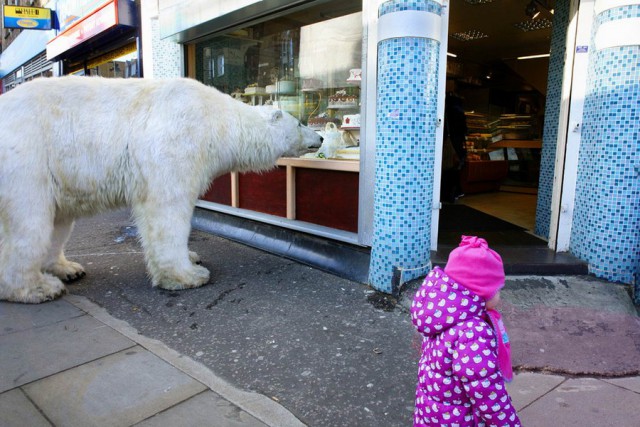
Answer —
418 307
475 365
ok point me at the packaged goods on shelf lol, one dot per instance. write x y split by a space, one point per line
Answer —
482 130
516 126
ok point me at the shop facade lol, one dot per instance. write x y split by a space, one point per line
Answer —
374 75
96 38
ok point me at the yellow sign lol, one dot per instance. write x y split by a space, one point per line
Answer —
35 18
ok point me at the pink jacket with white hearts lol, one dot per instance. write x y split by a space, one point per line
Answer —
459 383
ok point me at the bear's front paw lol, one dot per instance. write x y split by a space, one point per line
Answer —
66 270
192 278
46 288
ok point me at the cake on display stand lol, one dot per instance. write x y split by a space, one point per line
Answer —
341 103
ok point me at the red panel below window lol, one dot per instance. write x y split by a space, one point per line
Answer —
328 198
220 190
264 192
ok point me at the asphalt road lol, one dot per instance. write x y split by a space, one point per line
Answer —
331 351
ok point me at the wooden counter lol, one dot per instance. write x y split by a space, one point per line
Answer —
326 164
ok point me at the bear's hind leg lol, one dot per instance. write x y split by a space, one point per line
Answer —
25 242
164 232
56 263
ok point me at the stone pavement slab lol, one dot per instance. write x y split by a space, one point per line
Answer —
527 387
573 340
584 401
17 411
36 353
118 390
257 405
631 383
205 409
576 325
19 317
567 325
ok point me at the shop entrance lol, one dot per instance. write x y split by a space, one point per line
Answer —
497 73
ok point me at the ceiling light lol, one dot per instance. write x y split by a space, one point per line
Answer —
534 25
469 35
453 55
543 55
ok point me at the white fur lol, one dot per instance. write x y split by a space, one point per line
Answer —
76 146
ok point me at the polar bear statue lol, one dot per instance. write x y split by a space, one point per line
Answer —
76 146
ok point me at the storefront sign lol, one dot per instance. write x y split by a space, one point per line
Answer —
104 18
71 11
31 18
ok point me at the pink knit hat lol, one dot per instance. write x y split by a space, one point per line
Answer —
476 267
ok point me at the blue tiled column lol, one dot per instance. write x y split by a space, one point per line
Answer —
552 117
606 223
408 51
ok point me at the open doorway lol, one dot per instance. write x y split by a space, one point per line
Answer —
497 70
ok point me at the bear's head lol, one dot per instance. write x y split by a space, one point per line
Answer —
291 137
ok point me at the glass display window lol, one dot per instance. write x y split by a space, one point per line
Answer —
119 63
307 63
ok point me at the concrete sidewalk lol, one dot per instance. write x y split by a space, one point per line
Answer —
69 363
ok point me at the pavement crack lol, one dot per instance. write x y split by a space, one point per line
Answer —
223 295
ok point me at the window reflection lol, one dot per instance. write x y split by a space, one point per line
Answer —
307 63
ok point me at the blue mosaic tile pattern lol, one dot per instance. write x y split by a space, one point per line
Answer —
551 118
606 222
405 152
402 5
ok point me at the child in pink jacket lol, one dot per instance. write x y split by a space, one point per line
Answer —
465 351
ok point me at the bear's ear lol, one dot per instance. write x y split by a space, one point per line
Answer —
276 115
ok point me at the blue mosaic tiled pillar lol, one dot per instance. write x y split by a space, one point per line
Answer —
606 222
552 117
408 52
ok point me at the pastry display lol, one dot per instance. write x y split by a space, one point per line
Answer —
341 100
348 153
237 94
254 89
351 121
320 122
355 76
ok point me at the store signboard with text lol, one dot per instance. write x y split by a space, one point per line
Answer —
27 18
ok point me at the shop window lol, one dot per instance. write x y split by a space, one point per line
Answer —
307 63
119 63
303 63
